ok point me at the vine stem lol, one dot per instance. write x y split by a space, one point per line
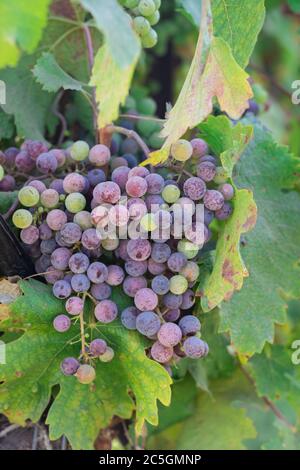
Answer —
142 117
82 334
130 134
268 402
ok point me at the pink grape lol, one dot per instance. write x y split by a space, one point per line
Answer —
140 171
71 233
107 192
169 334
74 183
99 155
190 325
60 258
225 212
38 185
80 283
155 183
56 219
97 272
120 176
200 147
139 250
97 347
160 353
101 291
79 263
115 275
194 188
90 239
30 235
145 299
132 285
69 366
136 186
136 208
46 163
148 323
106 311
156 268
136 268
52 275
213 200
60 157
74 305
176 262
195 348
62 323
62 289
227 190
23 162
206 171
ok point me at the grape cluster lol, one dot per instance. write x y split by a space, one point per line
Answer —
66 218
145 15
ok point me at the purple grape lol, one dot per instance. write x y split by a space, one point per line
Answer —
160 252
74 183
30 235
97 347
172 301
176 262
208 158
225 212
190 325
101 291
132 285
48 246
188 299
208 216
116 162
155 183
8 183
10 156
56 219
80 283
136 186
96 176
200 147
34 148
148 323
120 176
129 146
52 275
140 171
115 275
122 250
206 171
136 268
62 323
62 289
79 263
108 192
58 185
42 264
46 163
156 268
145 299
194 188
160 285
60 157
97 272
213 200
139 250
99 155
60 241
131 160
106 311
128 317
69 366
227 190
172 315
60 258
169 335
90 239
160 353
195 348
23 162
38 185
74 305
153 202
71 233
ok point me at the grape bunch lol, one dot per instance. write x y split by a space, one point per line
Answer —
145 14
103 226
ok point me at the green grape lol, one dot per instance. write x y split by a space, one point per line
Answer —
221 175
189 249
131 3
29 196
146 128
130 103
181 150
141 25
107 356
79 151
75 202
22 218
1 172
171 193
148 223
156 141
150 39
146 7
147 106
157 4
178 284
260 94
154 19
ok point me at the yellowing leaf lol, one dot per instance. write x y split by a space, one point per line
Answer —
9 291
112 84
159 156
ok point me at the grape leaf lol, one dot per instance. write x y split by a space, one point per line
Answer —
6 126
51 76
294 5
24 98
121 41
112 85
271 250
21 26
32 369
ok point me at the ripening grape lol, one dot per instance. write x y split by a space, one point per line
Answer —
172 301
69 366
120 176
141 25
160 284
75 202
131 160
29 196
190 271
160 252
71 233
194 188
60 157
145 299
108 192
74 183
62 323
154 19
213 200
169 334
62 289
188 300
8 183
155 183
115 275
146 7
178 284
171 193
189 249
160 353
195 348
128 317
116 162
79 263
156 268
24 163
181 150
22 218
208 216
148 323
38 185
74 305
101 291
225 212
56 219
34 148
97 272
106 311
60 258
99 155
80 283
136 268
49 198
46 163
110 244
129 145
108 355
227 190
96 176
139 250
148 223
136 186
58 185
221 175
48 246
52 275
189 325
172 315
90 239
10 156
83 219
149 40
97 347
200 147
85 374
206 171
79 151
138 171
136 208
132 285
30 235
176 262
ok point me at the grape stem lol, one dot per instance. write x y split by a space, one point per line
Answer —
82 334
131 135
141 117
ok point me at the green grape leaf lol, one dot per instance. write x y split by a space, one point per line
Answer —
51 76
112 84
271 250
120 39
7 127
294 5
21 26
33 367
25 97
